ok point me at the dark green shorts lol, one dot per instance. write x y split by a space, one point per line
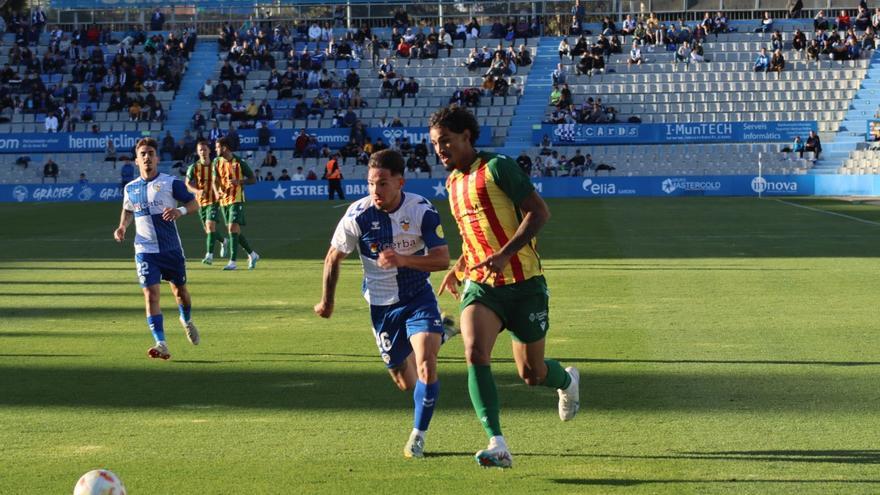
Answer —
233 213
209 212
523 307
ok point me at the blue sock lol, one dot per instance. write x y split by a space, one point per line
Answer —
185 312
156 326
424 398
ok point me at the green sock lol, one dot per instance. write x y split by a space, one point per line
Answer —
557 377
484 397
233 247
244 244
210 243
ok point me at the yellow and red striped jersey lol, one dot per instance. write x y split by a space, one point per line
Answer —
226 171
484 200
200 174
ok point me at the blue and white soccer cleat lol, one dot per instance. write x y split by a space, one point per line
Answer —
252 260
192 333
159 351
208 259
494 457
231 266
415 447
570 398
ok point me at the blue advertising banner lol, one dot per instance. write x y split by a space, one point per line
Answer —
697 132
335 138
78 142
550 187
202 4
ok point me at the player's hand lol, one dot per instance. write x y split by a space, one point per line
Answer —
119 234
170 214
493 265
451 284
388 259
324 309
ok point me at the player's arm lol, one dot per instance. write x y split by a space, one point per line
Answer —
124 221
181 193
191 183
332 264
535 215
435 260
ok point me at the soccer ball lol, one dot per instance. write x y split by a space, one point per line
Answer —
99 482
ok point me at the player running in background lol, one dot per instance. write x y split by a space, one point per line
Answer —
400 241
231 174
200 182
151 201
498 213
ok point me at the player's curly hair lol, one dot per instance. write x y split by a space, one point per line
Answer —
390 160
457 119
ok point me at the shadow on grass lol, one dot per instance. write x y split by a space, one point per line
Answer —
637 482
365 385
838 456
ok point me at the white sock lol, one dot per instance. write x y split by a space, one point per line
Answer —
498 441
161 342
419 432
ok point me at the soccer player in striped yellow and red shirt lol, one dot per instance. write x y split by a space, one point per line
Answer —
498 213
231 174
200 181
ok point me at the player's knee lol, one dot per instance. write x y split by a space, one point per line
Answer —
427 372
474 355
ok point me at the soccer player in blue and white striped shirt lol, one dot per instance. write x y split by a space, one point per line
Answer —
400 242
151 201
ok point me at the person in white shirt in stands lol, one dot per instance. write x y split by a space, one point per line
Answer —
298 175
635 55
51 123
314 32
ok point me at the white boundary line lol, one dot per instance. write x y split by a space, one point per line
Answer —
833 213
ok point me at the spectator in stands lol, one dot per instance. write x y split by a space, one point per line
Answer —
301 143
762 62
777 62
875 19
50 171
559 75
820 22
269 177
157 20
270 160
82 178
284 175
264 136
843 21
524 162
298 175
814 144
799 41
635 58
198 121
51 123
207 91
813 50
863 19
683 53
766 24
798 146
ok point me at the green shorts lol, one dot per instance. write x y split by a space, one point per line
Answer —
233 213
209 212
523 307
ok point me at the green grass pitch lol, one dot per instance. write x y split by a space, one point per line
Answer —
725 346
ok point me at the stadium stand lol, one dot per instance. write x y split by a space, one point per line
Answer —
724 87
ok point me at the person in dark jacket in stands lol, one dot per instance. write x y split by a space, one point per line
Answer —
814 144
